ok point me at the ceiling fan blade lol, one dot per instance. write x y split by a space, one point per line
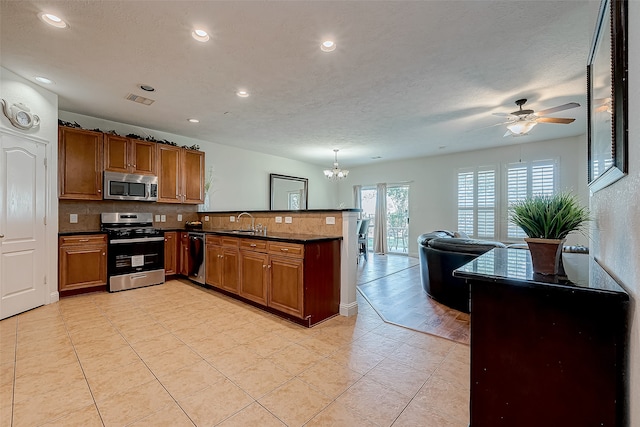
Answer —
508 133
558 108
490 126
554 120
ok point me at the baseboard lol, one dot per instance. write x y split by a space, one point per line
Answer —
54 297
349 309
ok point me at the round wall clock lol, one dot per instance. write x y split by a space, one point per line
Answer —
20 115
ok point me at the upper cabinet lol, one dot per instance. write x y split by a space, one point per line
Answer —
79 164
129 155
84 155
181 175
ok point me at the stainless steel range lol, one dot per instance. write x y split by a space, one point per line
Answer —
135 250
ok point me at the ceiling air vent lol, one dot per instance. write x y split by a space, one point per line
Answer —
139 99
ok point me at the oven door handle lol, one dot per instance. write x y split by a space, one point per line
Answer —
139 240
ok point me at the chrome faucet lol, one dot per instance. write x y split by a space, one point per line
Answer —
253 228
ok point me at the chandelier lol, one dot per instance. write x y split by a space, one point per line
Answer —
336 173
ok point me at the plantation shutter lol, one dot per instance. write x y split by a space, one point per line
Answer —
526 180
477 202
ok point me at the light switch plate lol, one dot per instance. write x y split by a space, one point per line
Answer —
288 220
157 218
179 217
163 218
73 218
206 217
232 218
278 219
330 220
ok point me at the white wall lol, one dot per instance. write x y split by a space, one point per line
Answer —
433 180
617 218
15 89
240 177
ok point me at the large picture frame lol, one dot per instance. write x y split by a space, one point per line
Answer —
607 110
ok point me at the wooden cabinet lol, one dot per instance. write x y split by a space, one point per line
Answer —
79 164
222 263
170 253
183 254
82 261
544 351
254 274
181 175
286 281
127 155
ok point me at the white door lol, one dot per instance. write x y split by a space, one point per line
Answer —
22 229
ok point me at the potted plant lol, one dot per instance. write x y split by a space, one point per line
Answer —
547 219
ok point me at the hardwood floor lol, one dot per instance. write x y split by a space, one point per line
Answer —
391 284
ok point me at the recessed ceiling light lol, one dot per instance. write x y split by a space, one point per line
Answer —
147 88
200 35
53 20
193 120
242 93
328 46
43 80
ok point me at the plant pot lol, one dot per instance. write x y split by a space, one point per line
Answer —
546 256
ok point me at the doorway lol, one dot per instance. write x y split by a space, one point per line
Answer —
397 215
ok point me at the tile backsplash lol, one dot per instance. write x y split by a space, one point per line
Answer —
89 213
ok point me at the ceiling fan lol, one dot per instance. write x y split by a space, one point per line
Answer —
520 122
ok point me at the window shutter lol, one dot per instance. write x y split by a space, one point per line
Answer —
477 202
526 180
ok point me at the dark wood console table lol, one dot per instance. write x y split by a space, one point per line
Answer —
545 352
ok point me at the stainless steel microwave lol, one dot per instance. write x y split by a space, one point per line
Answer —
125 186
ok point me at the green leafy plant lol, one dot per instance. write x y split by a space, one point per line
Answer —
549 217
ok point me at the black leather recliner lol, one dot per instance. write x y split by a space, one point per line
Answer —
440 254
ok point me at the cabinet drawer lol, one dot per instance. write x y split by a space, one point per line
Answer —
92 239
291 249
213 240
230 241
254 245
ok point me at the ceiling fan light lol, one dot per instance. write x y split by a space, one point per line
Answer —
521 127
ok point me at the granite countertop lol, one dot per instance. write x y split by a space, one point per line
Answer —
80 233
275 236
513 267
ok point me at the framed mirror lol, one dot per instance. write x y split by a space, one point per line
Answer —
288 193
607 97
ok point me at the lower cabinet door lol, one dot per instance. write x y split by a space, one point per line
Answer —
230 274
82 267
253 276
214 266
286 285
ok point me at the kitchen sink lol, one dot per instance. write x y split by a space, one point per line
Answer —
243 231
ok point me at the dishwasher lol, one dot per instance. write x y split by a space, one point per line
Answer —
196 264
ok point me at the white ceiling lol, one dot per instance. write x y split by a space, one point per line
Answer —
408 78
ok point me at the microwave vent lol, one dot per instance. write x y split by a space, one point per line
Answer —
139 99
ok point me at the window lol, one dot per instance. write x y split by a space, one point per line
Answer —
477 202
526 179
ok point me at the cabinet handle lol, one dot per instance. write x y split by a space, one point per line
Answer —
264 266
269 266
83 240
284 249
103 254
134 166
99 191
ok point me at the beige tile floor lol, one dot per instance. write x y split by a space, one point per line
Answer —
180 355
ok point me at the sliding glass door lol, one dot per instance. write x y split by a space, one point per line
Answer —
397 215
